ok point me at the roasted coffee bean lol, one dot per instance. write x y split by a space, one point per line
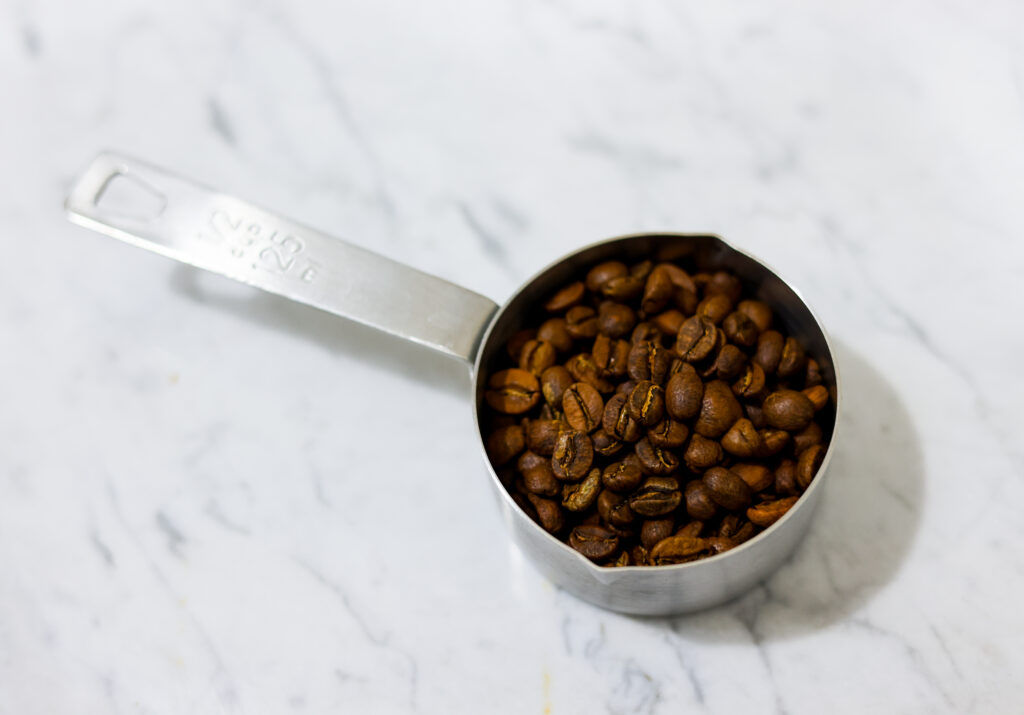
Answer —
654 530
646 403
655 460
638 555
642 269
785 478
757 476
694 528
719 544
724 283
613 508
555 332
658 291
696 338
537 356
668 434
615 319
517 341
610 356
649 361
702 453
699 505
774 440
504 444
743 440
625 388
604 443
769 351
540 480
740 329
512 391
621 518
553 383
624 288
745 533
573 455
581 322
794 359
677 550
597 543
528 460
788 409
583 407
604 272
730 362
767 513
718 410
566 298
622 477
622 560
818 395
810 436
584 369
758 312
680 278
582 495
549 514
657 497
715 308
807 464
750 385
618 422
541 435
669 322
813 376
645 332
684 393
727 489
709 369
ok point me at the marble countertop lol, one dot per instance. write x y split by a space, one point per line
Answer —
203 504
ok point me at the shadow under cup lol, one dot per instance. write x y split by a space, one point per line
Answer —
661 590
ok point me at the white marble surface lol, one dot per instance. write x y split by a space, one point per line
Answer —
202 505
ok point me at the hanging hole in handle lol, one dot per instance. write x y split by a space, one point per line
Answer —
127 196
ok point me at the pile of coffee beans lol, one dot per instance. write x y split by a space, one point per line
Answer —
655 417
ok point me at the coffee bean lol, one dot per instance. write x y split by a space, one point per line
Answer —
646 403
625 388
615 319
613 508
654 530
743 440
555 332
724 283
740 329
604 443
807 464
719 544
818 395
668 433
604 272
769 351
813 376
718 410
512 391
657 497
677 550
774 440
727 489
694 528
610 356
540 480
583 407
785 478
715 308
767 513
537 356
622 560
794 359
757 476
680 279
758 312
553 383
751 382
810 436
597 543
566 298
642 269
649 361
756 415
573 455
541 435
655 460
669 322
624 288
730 362
696 338
581 322
709 369
684 393
515 344
658 290
702 453
788 409
584 369
645 332
618 422
699 504
622 477
581 496
549 514
504 444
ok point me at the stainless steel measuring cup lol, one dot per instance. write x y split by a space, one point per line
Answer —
228 236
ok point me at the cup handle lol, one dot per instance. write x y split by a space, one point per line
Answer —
153 209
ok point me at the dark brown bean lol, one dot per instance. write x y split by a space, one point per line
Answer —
813 376
658 290
540 480
581 322
807 464
655 460
597 543
583 407
645 332
512 391
554 331
677 550
696 338
719 544
724 283
730 362
702 453
769 350
553 383
669 322
727 489
714 308
794 359
618 422
604 443
565 298
719 409
743 440
649 361
622 477
757 476
694 528
818 395
646 403
573 455
740 329
549 514
684 393
541 435
584 369
788 409
582 495
699 504
750 385
615 319
517 341
767 513
642 269
657 497
668 433
810 436
624 288
603 272
758 312
785 478
537 356
775 440
611 356
504 444
654 530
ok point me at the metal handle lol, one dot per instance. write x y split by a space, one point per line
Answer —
225 235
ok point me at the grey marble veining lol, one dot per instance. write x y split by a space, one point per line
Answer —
203 507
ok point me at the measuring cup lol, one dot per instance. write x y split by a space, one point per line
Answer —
228 236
